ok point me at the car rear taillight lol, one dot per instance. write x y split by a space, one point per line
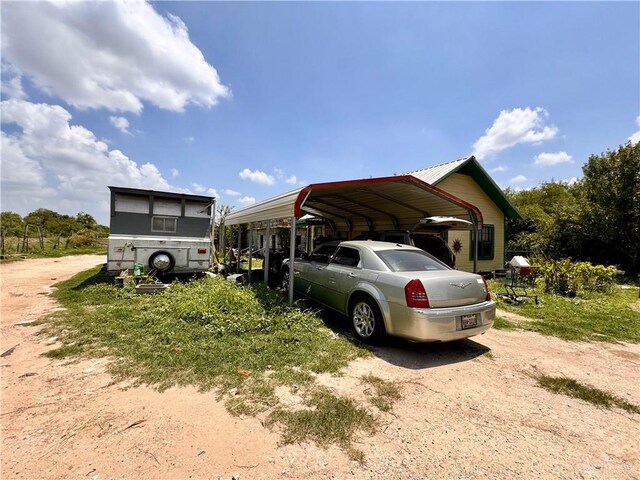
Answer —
415 294
202 250
486 289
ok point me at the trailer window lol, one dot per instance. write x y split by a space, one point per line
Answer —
164 224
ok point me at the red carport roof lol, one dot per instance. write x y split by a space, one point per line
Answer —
396 202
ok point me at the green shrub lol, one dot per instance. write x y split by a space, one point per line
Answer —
574 279
83 238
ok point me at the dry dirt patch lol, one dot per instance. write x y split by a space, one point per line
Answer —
469 410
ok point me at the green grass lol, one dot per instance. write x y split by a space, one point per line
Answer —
64 252
603 317
384 392
504 324
54 253
326 419
595 396
241 341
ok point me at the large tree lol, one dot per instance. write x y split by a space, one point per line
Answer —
596 218
551 220
612 207
11 224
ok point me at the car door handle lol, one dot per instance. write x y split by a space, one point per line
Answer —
319 268
353 275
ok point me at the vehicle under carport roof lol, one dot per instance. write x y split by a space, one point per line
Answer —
396 202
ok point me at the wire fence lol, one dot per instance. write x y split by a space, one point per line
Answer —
34 241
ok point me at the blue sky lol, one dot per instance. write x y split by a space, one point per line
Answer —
248 100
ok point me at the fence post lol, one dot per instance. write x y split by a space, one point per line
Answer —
40 237
25 239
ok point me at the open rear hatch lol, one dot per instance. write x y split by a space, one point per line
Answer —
441 224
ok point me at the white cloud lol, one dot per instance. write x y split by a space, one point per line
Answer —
635 138
12 82
189 139
212 192
120 123
198 188
279 173
174 172
499 168
292 180
257 176
231 193
64 167
113 55
513 127
545 159
244 201
518 179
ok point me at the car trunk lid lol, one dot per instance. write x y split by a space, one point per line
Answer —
450 288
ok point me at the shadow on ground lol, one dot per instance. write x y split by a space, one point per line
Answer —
404 353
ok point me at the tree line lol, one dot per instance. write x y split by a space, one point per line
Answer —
81 230
595 219
52 223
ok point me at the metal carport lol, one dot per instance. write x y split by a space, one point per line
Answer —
382 203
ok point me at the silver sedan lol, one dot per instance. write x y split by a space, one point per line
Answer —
394 289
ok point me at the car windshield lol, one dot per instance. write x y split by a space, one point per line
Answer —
410 260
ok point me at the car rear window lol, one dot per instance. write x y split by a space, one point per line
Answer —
410 261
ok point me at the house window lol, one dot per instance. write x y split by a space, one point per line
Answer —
164 224
486 243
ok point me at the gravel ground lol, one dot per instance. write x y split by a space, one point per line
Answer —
469 410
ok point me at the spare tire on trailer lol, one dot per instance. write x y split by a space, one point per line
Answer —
162 261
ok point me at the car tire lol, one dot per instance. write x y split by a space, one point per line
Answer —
284 279
162 261
366 319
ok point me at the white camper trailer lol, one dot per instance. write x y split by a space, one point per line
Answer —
166 232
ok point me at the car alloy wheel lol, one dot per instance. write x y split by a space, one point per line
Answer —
364 319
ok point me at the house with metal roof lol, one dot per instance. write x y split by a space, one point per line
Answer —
468 180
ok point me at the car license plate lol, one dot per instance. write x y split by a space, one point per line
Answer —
468 321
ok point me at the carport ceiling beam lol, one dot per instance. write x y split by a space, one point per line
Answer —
327 215
364 205
348 210
396 201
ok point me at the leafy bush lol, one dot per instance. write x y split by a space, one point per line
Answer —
571 279
84 238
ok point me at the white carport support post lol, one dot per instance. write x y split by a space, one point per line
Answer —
239 248
265 266
292 255
222 241
250 249
475 246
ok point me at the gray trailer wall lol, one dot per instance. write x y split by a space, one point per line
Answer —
125 223
132 213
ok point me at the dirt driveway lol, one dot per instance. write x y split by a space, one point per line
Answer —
469 410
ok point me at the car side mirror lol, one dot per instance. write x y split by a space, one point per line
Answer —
304 256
